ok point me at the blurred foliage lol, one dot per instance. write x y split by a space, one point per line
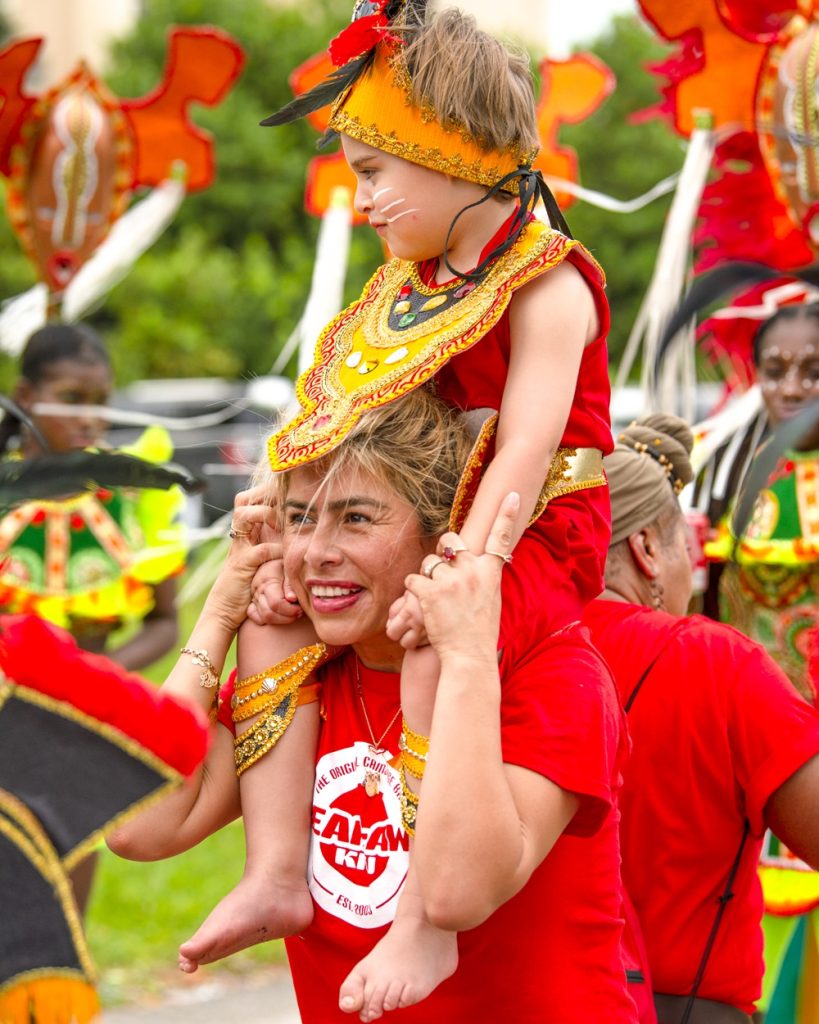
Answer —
222 289
624 160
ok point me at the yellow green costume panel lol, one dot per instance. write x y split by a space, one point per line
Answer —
94 556
770 591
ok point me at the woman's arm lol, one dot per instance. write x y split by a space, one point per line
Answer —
210 798
158 633
483 826
551 320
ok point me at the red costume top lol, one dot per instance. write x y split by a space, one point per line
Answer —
716 729
405 332
552 952
559 561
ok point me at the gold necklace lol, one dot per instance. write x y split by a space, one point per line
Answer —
372 780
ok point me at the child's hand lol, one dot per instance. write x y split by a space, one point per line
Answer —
406 622
274 602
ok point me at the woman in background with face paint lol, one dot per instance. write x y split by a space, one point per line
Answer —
771 594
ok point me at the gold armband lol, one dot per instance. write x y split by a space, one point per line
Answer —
409 806
274 694
255 694
414 749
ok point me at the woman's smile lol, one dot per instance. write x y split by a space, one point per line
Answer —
349 544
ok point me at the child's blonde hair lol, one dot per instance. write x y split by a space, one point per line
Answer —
472 80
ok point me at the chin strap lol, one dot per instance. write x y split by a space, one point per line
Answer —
531 189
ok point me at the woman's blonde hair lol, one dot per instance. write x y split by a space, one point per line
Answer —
416 445
472 80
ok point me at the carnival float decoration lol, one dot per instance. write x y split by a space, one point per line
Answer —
75 156
741 84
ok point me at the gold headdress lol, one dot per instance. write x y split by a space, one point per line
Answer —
372 96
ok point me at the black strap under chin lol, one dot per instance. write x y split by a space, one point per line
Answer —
531 188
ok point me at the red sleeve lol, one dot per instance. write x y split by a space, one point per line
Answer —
225 715
560 717
773 730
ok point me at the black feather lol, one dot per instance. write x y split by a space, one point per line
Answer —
322 94
801 432
58 476
715 284
14 410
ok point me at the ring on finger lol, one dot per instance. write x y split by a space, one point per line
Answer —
506 559
236 534
449 554
430 568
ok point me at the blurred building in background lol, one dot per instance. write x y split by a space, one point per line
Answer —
72 29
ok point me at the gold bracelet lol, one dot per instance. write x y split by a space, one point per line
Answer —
208 677
290 673
414 749
409 806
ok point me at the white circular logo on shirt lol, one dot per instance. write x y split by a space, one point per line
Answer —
359 851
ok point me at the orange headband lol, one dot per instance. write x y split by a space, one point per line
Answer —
377 109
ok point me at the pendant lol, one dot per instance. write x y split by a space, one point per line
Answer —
372 783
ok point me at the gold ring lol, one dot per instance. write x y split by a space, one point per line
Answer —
428 570
235 534
506 559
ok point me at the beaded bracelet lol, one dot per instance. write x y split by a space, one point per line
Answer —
208 677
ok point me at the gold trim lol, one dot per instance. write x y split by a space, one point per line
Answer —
571 470
352 372
119 739
378 109
53 870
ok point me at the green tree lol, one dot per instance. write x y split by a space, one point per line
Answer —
624 159
222 289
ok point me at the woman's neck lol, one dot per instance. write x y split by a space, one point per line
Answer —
383 655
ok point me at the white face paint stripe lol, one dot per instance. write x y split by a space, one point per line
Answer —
390 220
389 206
381 191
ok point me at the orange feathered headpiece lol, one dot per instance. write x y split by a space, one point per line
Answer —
378 109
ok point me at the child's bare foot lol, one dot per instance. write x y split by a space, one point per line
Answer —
255 911
409 962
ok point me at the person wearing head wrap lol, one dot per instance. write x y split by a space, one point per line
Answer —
723 746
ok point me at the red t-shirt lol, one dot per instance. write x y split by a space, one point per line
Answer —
716 728
559 561
552 953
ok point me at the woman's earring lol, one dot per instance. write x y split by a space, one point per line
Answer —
656 590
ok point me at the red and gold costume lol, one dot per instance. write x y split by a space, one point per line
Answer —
405 331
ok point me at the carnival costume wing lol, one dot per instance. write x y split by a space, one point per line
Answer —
57 475
82 744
